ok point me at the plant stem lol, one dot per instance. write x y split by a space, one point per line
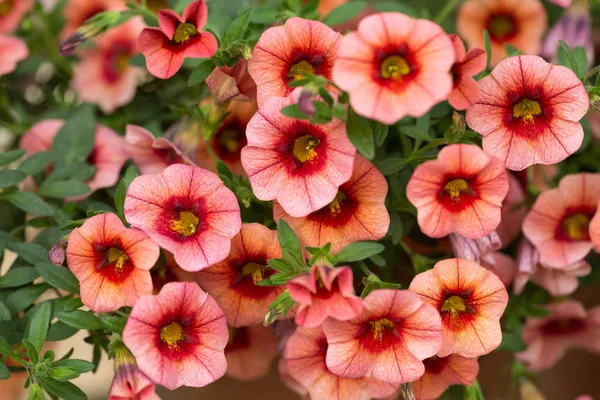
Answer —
448 8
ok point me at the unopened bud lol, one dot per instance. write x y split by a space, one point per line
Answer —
56 255
459 123
305 103
246 52
594 94
35 393
90 29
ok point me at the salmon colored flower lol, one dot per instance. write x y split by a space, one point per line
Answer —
111 262
388 341
305 361
187 211
388 65
294 162
465 92
177 39
234 281
129 382
460 192
104 76
178 337
595 232
324 292
562 3
520 24
513 212
529 111
568 326
12 12
558 223
442 372
76 12
40 136
232 83
356 213
12 51
250 352
470 300
290 52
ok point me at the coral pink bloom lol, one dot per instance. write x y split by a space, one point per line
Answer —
470 300
232 83
178 337
465 92
289 52
442 372
250 352
528 112
520 24
12 12
104 76
568 326
356 213
234 281
595 231
558 223
12 51
305 360
562 3
111 262
388 65
460 192
78 11
178 38
151 154
187 211
513 212
40 136
324 292
299 164
388 341
129 382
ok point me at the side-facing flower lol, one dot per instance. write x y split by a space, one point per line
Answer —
465 91
470 300
460 192
250 352
129 382
442 372
232 83
356 213
575 29
12 51
299 164
514 210
11 14
387 66
388 340
529 111
234 281
187 211
111 262
290 52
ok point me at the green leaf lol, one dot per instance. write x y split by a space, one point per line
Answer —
81 366
290 245
580 56
380 132
263 14
344 13
63 373
416 132
19 276
395 6
63 390
32 351
5 347
130 174
114 323
392 165
488 49
58 277
22 298
76 170
360 134
63 189
238 27
359 251
11 177
566 57
10 156
38 325
75 141
80 319
201 72
29 203
4 372
59 331
30 252
4 312
36 162
293 111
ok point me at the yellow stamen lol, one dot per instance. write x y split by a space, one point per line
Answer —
380 326
394 67
117 257
172 334
184 32
576 226
123 62
5 8
455 187
304 148
301 70
454 305
229 139
186 224
526 110
501 26
335 207
255 271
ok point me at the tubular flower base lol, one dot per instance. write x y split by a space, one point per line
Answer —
441 372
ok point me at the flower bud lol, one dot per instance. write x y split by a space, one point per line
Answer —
90 29
35 393
56 255
305 103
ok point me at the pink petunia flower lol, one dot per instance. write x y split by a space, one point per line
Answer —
442 372
595 231
465 91
129 382
324 292
568 326
387 66
12 51
234 281
250 352
562 3
470 300
111 262
305 361
290 52
460 192
356 213
177 39
533 119
299 164
76 12
388 340
232 83
11 14
178 337
513 212
187 211
558 223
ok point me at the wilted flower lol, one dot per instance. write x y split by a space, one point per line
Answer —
12 51
231 83
57 253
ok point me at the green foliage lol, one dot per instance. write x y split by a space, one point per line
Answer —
360 134
358 251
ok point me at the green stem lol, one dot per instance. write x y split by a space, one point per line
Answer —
433 144
591 73
365 269
142 10
448 8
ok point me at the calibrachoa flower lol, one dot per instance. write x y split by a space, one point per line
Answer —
290 52
442 372
356 213
558 223
187 211
129 382
460 192
234 281
513 212
575 29
562 3
231 83
324 292
299 164
520 24
470 300
465 91
111 262
12 12
305 362
250 352
529 111
388 340
78 11
387 66
568 326
12 51
178 337
178 38
595 231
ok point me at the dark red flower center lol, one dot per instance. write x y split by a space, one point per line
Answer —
435 364
501 27
575 225
456 309
457 193
229 140
563 326
116 61
527 110
239 339
394 67
184 32
183 218
245 277
379 335
303 64
5 7
113 262
176 335
304 148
